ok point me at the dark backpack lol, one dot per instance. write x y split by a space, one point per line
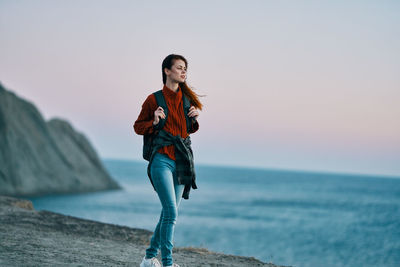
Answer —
148 139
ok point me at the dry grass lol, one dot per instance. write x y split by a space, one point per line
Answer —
24 204
202 251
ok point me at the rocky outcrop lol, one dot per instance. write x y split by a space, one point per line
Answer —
42 238
39 157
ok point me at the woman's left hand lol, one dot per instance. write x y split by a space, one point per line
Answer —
193 112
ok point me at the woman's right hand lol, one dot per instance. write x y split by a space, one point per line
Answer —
158 113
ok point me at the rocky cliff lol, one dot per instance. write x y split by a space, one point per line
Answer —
39 157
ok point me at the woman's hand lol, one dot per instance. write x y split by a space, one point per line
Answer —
193 113
158 113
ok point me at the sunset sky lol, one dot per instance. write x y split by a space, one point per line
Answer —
297 85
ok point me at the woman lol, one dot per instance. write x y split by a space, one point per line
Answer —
170 167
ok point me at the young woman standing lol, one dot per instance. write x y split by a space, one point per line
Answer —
170 169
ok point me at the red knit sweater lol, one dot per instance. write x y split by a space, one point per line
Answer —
176 121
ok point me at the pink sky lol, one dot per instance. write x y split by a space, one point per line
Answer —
303 85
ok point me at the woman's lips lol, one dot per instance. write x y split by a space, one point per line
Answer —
183 76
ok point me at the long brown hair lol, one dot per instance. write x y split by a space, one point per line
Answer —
193 97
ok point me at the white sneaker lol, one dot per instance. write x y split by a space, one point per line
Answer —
153 262
173 265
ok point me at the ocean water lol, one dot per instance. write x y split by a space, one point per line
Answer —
287 218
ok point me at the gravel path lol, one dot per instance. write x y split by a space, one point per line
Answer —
42 238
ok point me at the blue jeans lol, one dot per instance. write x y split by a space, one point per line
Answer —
169 192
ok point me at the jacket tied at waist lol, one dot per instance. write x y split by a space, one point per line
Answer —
184 159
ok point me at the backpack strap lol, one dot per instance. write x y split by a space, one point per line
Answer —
161 102
186 107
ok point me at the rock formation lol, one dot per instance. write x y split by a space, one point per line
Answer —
39 157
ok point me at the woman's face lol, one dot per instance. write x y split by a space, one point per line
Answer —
177 73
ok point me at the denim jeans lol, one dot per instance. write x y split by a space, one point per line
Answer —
169 192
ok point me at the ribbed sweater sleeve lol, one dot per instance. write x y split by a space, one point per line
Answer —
144 123
195 127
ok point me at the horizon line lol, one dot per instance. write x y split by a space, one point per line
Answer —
326 172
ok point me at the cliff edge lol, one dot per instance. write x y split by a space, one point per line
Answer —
42 238
39 157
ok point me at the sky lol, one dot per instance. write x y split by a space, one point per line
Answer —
293 85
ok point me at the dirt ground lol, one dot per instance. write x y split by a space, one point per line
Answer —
42 238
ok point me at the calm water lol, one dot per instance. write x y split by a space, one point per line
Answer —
288 218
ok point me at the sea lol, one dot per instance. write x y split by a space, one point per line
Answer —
289 218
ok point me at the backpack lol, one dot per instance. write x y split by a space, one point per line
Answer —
148 139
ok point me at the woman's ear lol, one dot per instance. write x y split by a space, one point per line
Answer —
166 71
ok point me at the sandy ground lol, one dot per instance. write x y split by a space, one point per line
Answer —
42 238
